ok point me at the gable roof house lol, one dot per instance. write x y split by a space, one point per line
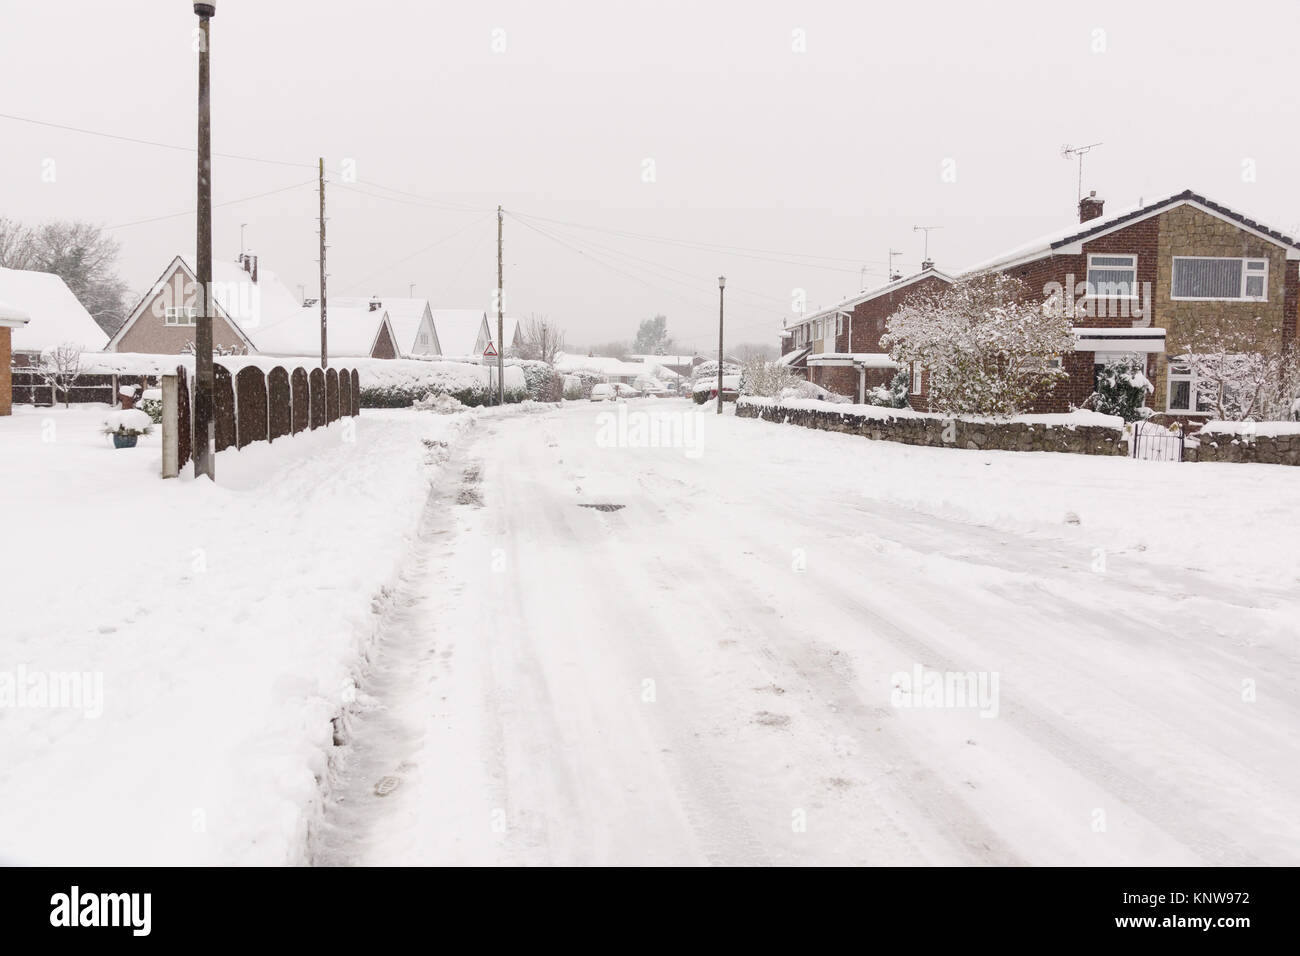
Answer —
246 297
411 321
840 346
461 333
54 316
351 332
1140 282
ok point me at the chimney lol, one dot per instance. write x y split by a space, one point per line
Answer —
927 264
1090 207
249 263
375 303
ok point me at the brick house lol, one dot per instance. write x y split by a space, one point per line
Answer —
1140 283
10 318
840 346
55 317
246 298
352 332
411 321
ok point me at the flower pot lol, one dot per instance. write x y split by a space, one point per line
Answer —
124 441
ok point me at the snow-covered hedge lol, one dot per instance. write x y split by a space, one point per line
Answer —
400 383
540 378
1079 432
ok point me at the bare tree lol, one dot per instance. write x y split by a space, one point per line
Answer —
60 368
79 253
542 339
16 246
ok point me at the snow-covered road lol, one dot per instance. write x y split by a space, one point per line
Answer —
710 673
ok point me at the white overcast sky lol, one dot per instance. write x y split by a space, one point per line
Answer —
835 152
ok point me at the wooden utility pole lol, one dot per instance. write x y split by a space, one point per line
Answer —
324 344
501 322
204 376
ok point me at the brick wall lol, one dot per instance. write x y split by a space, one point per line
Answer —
6 374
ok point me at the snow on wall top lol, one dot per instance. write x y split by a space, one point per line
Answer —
1062 420
55 316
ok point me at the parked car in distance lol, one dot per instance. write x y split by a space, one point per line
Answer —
603 393
623 390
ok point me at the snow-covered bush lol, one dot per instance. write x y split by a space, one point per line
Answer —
540 379
578 385
709 369
1122 388
126 422
809 390
986 345
398 383
893 395
765 379
151 404
1233 379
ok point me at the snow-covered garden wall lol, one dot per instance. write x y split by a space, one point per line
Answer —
1080 433
1270 443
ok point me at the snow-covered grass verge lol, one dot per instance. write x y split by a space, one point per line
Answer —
223 623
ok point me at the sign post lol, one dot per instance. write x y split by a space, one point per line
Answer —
489 354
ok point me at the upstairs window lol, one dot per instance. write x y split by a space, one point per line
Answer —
1219 279
1112 276
179 315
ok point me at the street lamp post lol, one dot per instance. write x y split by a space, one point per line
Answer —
204 384
722 288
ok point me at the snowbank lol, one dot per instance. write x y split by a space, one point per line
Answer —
1250 429
225 623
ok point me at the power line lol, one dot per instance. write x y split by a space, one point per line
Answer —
417 252
431 204
150 142
228 202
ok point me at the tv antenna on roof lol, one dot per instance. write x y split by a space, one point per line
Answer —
926 230
1069 152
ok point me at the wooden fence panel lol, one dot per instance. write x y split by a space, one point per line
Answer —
279 404
331 395
301 400
184 439
223 411
250 387
317 398
356 393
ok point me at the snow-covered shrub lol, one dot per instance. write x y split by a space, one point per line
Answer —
128 421
1122 388
810 390
709 369
151 404
1234 380
578 385
763 378
986 344
893 395
540 379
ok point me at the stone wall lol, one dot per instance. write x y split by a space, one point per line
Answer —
949 433
1264 449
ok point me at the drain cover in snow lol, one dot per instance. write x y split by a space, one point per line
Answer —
602 507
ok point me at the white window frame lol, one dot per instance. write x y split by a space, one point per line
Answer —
1133 286
1245 273
1172 377
173 314
916 379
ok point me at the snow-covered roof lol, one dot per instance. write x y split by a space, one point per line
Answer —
11 316
848 304
404 315
250 304
865 359
664 359
601 364
351 332
790 358
458 330
1063 240
54 315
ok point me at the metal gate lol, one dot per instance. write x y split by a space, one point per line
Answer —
1151 442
